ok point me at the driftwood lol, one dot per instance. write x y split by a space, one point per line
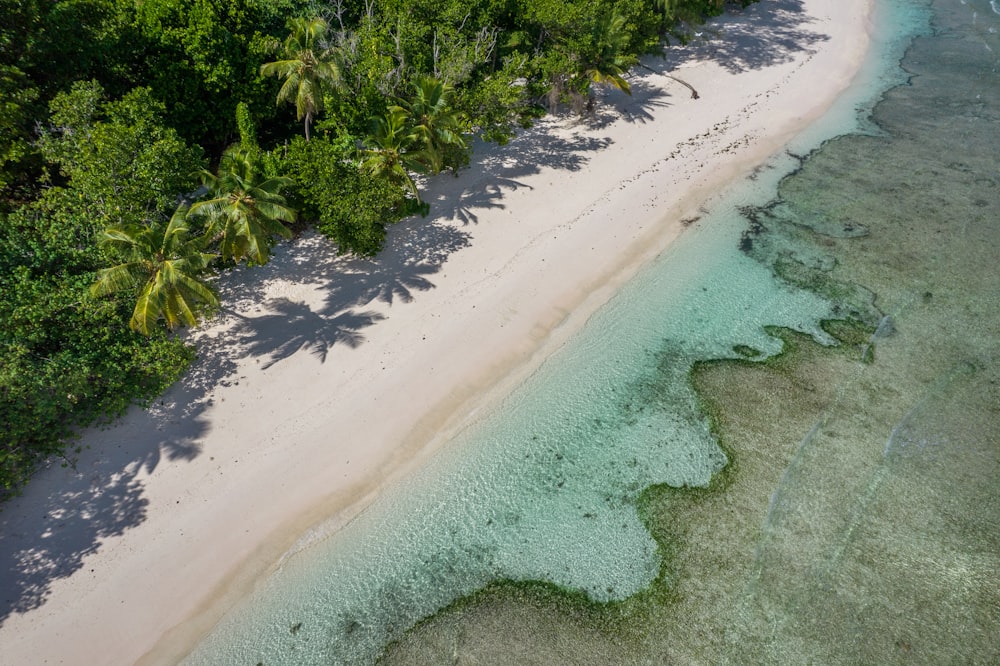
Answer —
694 93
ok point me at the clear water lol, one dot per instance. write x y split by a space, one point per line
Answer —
545 487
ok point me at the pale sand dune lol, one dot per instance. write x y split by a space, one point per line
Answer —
327 377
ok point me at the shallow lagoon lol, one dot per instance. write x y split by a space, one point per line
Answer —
857 517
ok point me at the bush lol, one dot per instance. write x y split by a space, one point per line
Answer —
346 205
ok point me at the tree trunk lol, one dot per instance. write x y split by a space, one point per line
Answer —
694 93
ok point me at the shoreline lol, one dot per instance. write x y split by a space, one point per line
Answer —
524 268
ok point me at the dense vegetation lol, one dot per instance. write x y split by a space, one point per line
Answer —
146 145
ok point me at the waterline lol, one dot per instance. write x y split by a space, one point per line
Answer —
545 487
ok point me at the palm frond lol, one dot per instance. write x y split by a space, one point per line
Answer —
118 278
281 68
199 290
147 310
273 186
210 207
276 211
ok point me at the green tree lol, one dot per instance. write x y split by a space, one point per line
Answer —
390 150
609 60
16 97
499 102
121 162
309 70
247 128
246 209
200 58
167 262
348 205
434 124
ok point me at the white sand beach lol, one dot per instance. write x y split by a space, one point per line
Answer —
325 378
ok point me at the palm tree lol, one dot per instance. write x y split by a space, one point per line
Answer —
433 122
307 68
390 152
166 261
668 7
608 65
246 210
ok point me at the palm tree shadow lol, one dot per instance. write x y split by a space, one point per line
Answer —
293 326
740 41
68 511
63 531
612 105
497 170
466 205
415 250
391 282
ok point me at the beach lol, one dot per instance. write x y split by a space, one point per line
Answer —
324 378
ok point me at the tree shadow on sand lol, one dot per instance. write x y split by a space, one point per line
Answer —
612 105
60 533
415 250
66 513
497 170
68 510
739 40
293 326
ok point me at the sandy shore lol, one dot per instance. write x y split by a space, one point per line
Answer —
325 378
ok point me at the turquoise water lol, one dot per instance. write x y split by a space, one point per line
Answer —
544 488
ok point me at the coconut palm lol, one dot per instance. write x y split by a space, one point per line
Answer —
434 124
608 64
668 7
308 68
246 210
166 260
392 149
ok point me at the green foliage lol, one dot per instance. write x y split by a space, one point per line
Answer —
200 58
499 103
245 209
609 60
436 128
246 127
56 42
118 158
566 45
308 68
16 97
166 264
66 361
391 150
422 134
349 207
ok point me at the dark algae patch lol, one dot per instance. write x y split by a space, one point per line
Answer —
698 559
858 519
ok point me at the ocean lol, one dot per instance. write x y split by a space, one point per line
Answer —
779 443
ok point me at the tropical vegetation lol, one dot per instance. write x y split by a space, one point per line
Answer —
165 263
147 146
